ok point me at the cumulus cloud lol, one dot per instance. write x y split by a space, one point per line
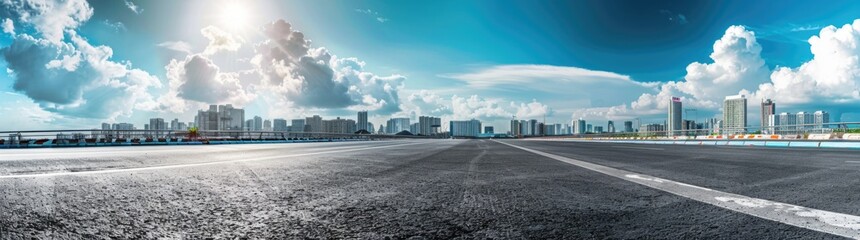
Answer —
198 79
832 76
76 78
8 26
51 18
737 67
314 78
220 40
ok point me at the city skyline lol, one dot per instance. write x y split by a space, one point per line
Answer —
219 59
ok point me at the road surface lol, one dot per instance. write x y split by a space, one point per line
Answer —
433 189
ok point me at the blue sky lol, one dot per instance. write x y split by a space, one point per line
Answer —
490 60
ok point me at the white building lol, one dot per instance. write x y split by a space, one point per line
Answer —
735 114
674 120
821 119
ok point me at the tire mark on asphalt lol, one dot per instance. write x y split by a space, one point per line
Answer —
54 174
840 224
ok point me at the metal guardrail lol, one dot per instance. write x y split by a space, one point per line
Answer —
799 130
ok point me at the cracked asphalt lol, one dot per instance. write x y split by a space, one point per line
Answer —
408 189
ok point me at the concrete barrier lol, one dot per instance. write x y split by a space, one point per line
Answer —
851 136
820 136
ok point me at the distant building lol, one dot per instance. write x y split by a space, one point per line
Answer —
428 125
157 124
488 129
598 129
579 127
230 118
589 128
735 114
339 125
470 128
652 129
396 125
380 130
362 121
297 125
610 127
675 117
267 125
314 124
822 118
628 126
258 123
515 128
768 109
279 125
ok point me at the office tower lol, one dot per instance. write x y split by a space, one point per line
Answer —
628 126
534 129
489 130
297 125
598 129
315 124
579 126
735 114
515 128
675 119
610 127
821 119
413 128
768 108
381 128
429 125
787 121
362 121
230 118
470 128
396 125
370 128
258 123
267 125
105 126
279 125
207 120
589 128
804 120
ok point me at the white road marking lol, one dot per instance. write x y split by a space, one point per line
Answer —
818 220
852 161
53 174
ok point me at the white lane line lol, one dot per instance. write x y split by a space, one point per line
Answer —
643 148
813 219
53 174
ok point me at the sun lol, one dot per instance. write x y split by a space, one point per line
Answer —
234 15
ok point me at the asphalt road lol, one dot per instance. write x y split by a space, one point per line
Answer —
434 189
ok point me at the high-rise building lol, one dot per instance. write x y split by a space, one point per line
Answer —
822 118
315 124
381 130
515 128
258 123
489 130
207 120
534 129
396 125
249 125
230 118
628 126
297 125
362 121
675 117
106 126
157 124
579 127
786 121
470 128
413 128
589 128
428 125
768 109
735 114
339 125
598 129
279 125
804 120
267 125
610 127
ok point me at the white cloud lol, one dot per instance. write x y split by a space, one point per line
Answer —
737 66
116 26
178 46
76 78
373 14
533 109
198 79
8 26
51 18
220 40
314 78
134 8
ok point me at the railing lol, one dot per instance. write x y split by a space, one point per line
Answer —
98 137
798 131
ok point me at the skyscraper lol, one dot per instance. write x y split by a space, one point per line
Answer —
315 124
610 127
579 127
230 118
396 125
735 114
674 120
787 121
804 120
428 125
768 108
628 126
297 125
515 128
267 125
362 121
821 119
279 125
470 128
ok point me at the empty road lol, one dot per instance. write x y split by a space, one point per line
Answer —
433 189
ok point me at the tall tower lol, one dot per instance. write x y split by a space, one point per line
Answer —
362 121
768 109
735 114
674 121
